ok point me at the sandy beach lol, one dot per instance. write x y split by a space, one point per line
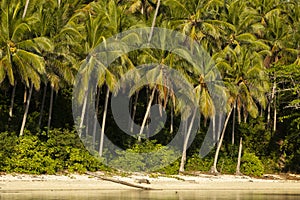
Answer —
74 182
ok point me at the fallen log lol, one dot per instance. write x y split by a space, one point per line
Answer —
119 181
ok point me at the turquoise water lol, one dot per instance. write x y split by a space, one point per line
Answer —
151 195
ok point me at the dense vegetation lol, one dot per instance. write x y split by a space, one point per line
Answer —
255 45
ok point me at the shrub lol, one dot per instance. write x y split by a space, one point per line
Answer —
251 165
195 163
133 160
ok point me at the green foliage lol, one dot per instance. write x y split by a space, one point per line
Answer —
251 165
159 156
195 163
254 44
46 154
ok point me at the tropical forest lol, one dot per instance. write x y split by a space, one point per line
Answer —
254 45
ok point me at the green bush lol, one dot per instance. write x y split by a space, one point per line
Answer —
195 163
60 150
227 165
133 160
29 155
251 165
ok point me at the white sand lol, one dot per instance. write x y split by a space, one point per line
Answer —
21 182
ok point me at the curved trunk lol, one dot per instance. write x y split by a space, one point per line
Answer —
146 114
238 166
82 114
26 111
154 19
214 167
25 9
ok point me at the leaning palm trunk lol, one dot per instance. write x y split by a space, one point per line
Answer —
154 19
238 166
82 114
25 9
183 158
147 114
50 110
214 167
103 123
26 111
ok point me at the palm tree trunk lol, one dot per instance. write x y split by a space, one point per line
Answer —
25 96
96 117
214 167
59 2
25 9
50 110
147 114
26 111
82 114
233 123
12 100
183 157
154 19
269 113
238 166
239 114
213 119
172 119
275 110
103 123
43 105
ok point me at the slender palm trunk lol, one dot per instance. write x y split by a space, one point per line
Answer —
188 133
26 111
25 96
96 117
233 123
213 120
275 110
59 2
172 119
12 100
214 167
82 114
103 123
43 105
239 114
146 114
50 110
25 9
238 166
154 20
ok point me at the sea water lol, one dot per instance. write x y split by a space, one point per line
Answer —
151 195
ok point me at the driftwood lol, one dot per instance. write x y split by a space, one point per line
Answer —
119 181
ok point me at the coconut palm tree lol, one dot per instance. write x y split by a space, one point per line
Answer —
22 52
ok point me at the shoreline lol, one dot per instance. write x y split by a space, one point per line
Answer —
36 183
